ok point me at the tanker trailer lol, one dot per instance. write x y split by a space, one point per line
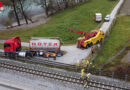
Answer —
42 45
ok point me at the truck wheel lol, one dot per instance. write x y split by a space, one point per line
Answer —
91 44
28 55
97 42
101 41
87 46
59 54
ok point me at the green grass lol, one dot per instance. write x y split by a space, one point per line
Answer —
1 46
118 37
80 17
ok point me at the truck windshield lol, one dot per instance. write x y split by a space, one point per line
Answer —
6 45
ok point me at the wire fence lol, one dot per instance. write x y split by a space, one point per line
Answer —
114 75
118 54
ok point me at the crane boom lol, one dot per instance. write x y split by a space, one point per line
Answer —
75 31
87 35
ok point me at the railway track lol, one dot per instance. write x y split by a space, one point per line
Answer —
59 76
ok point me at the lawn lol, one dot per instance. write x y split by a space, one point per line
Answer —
80 17
117 39
1 46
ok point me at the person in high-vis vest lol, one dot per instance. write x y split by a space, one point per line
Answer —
78 63
82 73
86 63
47 55
86 79
54 56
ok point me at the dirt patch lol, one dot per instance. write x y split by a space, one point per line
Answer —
125 10
127 57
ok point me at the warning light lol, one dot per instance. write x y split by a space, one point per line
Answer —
1 7
1 4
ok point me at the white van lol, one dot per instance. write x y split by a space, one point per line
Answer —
98 17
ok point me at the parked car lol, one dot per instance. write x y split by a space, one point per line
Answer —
107 18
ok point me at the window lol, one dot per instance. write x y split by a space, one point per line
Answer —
6 45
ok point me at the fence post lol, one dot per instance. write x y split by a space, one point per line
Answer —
113 74
126 76
100 71
76 68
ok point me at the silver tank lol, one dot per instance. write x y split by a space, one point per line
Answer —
44 44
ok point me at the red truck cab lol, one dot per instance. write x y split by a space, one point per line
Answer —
12 45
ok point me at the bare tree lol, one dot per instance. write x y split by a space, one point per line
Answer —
44 4
16 14
66 2
12 3
58 5
23 13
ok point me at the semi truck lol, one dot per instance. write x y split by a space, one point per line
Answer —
89 39
38 46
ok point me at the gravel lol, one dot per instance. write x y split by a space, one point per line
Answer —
20 80
31 82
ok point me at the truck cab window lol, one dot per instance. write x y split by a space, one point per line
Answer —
6 45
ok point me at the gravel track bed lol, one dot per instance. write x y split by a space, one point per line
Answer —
74 74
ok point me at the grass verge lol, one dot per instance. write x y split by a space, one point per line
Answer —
118 37
1 46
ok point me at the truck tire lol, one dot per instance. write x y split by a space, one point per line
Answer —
91 44
101 41
97 42
59 54
11 55
87 46
28 54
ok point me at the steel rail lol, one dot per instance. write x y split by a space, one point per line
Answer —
58 76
